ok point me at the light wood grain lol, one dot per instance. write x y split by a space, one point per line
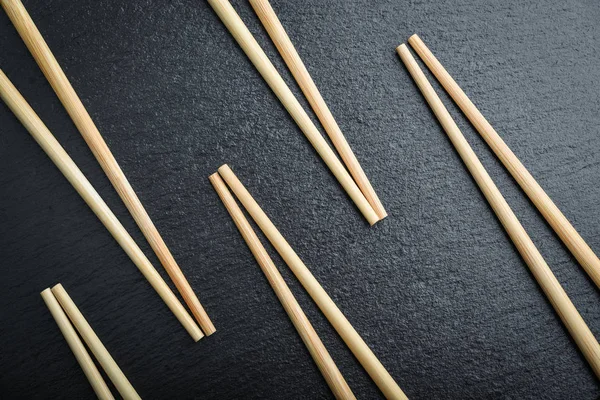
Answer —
262 63
560 301
309 336
77 347
61 85
89 337
291 57
357 345
561 225
59 156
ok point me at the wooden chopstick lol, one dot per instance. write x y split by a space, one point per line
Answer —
262 63
61 85
59 156
309 336
89 337
78 349
291 57
561 225
560 301
359 348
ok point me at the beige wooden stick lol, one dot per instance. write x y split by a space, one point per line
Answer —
59 156
89 336
361 350
287 50
309 336
560 301
262 63
81 354
561 225
61 85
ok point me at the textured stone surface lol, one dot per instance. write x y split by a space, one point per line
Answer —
437 289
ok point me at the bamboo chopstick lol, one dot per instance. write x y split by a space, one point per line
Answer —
309 336
61 85
59 156
287 50
359 348
561 225
102 355
78 349
262 63
560 301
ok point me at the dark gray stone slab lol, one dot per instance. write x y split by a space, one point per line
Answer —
437 289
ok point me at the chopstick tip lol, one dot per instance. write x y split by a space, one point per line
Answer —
197 337
209 332
224 167
379 219
402 49
413 38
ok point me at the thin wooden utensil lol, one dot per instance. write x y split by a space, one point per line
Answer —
89 336
288 52
61 85
78 349
560 301
59 156
561 225
357 345
309 336
262 63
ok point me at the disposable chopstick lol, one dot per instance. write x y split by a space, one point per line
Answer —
262 63
61 85
59 156
288 52
561 225
560 301
309 336
359 348
77 347
89 337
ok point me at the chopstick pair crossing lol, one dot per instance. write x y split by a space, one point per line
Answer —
358 188
309 336
23 111
561 225
291 57
68 97
69 319
355 343
559 299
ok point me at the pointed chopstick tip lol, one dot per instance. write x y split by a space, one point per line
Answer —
224 167
402 48
413 38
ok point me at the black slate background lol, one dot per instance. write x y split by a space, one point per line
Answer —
437 289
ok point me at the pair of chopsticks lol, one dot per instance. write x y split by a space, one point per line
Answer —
571 318
69 318
352 339
355 183
23 111
65 92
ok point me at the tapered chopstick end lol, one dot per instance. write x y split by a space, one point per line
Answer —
402 48
413 38
57 286
224 168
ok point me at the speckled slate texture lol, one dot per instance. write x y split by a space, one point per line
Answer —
437 289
